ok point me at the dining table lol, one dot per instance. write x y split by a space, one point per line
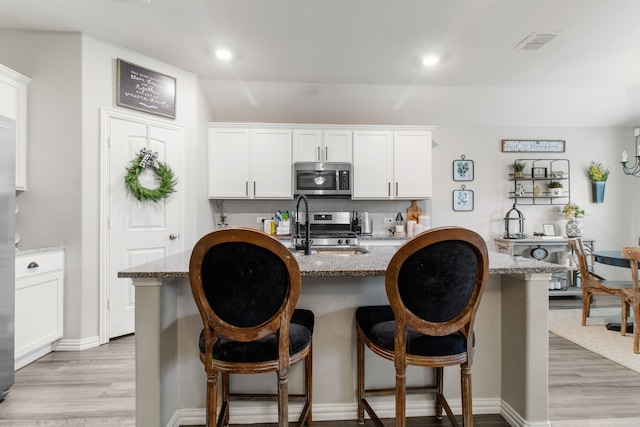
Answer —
611 257
614 258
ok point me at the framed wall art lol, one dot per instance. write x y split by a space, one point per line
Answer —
532 146
463 200
463 169
145 90
549 229
539 172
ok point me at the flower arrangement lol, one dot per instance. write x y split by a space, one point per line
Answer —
572 211
598 172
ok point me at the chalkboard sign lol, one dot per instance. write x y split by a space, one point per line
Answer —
146 90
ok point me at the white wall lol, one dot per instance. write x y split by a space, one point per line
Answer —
73 78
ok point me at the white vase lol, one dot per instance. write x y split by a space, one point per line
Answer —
574 228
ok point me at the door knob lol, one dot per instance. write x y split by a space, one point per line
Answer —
173 236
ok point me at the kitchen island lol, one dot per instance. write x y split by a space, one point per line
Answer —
510 370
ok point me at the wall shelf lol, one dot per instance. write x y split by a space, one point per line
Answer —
532 188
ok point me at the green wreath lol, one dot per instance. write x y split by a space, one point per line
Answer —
162 172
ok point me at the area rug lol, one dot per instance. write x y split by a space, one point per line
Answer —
594 336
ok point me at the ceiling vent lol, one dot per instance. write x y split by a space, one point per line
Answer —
536 40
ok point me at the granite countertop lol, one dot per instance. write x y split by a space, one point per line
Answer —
373 263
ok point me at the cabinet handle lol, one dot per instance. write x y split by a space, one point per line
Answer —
319 156
254 188
246 188
326 154
396 189
389 189
33 264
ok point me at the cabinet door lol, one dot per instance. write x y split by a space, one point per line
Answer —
412 165
13 104
271 170
338 146
307 146
229 163
372 164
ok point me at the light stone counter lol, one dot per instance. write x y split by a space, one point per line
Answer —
373 263
510 370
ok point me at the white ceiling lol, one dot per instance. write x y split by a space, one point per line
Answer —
359 60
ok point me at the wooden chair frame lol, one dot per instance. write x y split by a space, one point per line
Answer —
404 318
215 327
593 284
633 253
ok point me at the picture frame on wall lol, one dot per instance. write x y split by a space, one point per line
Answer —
145 90
463 200
463 170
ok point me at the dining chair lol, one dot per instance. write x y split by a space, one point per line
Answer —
434 284
633 253
593 284
246 285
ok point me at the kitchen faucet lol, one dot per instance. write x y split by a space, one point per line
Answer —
307 225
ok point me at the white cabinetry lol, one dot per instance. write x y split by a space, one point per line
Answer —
322 146
392 164
246 163
13 104
39 304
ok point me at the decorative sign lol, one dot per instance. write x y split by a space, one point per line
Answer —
146 90
537 146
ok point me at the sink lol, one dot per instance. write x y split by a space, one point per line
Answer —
339 251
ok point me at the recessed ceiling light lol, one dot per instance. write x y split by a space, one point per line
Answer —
430 61
224 54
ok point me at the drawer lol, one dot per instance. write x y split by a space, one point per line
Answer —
41 262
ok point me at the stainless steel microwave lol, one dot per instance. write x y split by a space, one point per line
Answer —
322 179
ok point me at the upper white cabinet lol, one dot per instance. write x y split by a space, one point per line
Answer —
247 163
372 164
392 164
13 104
322 146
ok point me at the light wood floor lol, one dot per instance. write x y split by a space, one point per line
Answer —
96 388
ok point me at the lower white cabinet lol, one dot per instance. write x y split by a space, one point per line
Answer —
39 304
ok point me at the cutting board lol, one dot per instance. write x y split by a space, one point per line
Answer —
414 211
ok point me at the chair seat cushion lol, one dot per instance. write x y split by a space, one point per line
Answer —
265 349
378 324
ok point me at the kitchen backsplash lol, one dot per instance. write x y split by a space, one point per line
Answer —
245 212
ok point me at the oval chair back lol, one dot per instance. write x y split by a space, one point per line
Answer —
246 285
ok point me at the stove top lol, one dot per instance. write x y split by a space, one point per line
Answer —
327 229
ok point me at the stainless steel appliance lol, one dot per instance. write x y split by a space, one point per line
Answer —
322 179
326 229
7 251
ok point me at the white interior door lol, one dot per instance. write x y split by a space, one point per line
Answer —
138 232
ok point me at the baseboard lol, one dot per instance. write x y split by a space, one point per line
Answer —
515 419
77 345
261 412
31 357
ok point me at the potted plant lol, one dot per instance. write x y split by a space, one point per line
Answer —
222 215
555 189
598 174
518 168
